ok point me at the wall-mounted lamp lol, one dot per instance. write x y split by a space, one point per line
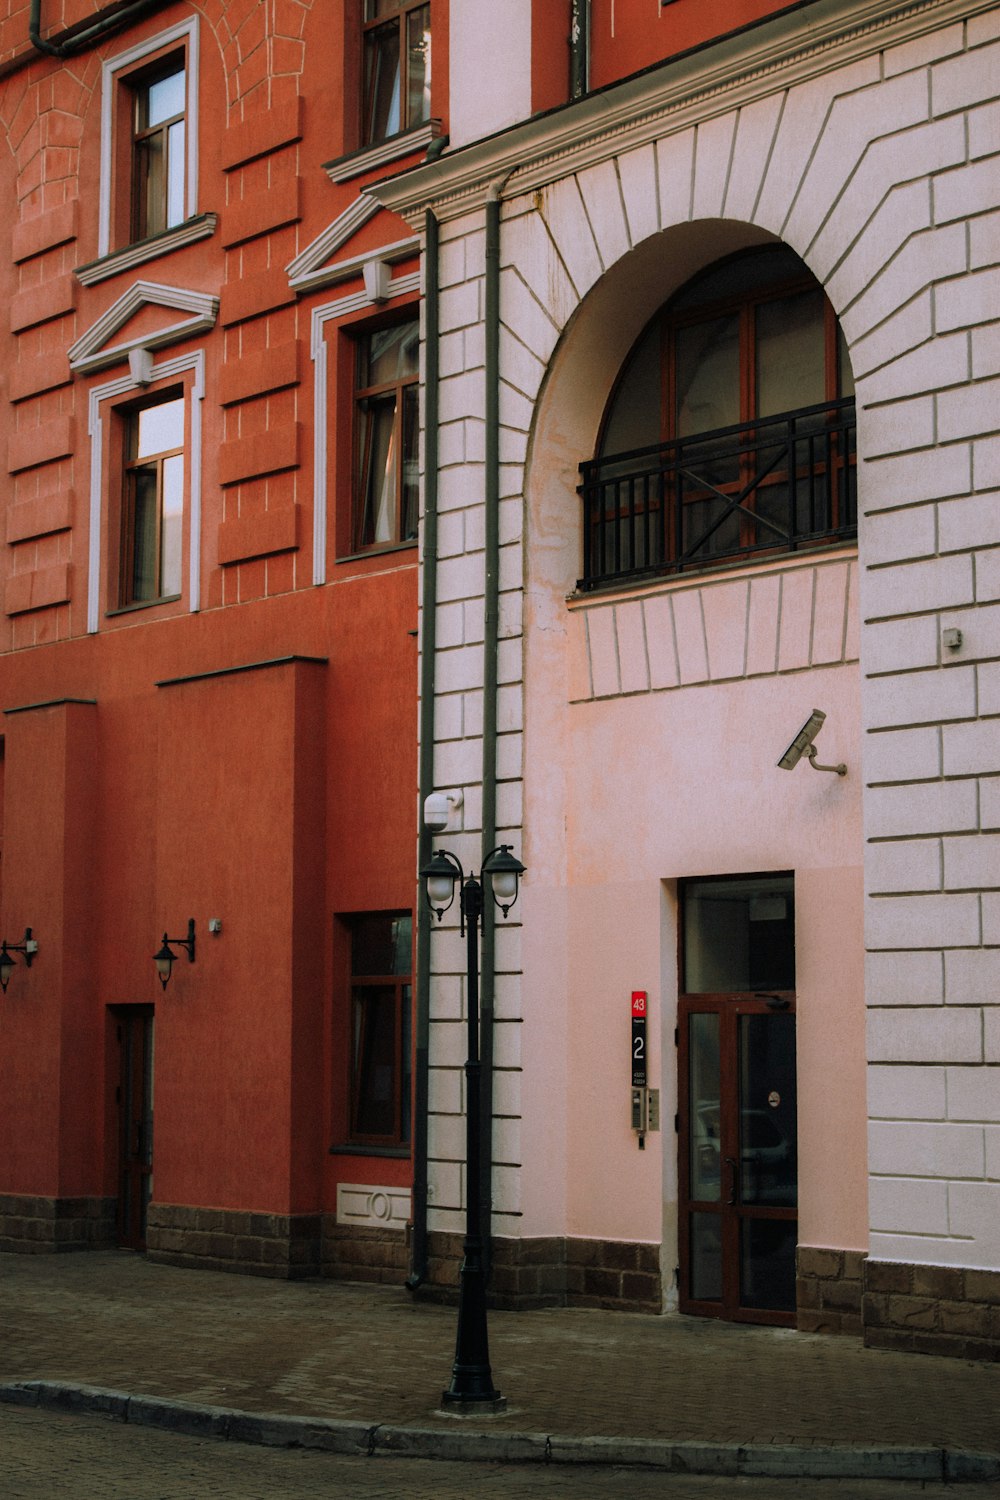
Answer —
166 958
7 962
803 745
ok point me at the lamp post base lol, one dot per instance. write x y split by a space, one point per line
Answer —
458 1405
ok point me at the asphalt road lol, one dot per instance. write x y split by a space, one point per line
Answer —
48 1456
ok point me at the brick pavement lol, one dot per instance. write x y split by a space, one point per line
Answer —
377 1356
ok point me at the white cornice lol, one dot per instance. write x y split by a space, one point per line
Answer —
142 251
383 152
777 54
92 351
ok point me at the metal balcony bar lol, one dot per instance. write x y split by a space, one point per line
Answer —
775 484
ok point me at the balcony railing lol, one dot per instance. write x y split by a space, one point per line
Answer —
774 485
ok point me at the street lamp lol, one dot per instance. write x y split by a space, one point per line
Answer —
472 1386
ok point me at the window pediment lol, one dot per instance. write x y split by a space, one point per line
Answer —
315 267
151 315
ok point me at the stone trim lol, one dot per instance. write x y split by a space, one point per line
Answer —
828 1290
32 1225
616 1275
222 1239
950 1310
363 1252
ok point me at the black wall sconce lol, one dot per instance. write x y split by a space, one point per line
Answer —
166 958
7 962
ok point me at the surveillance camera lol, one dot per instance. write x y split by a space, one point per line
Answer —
802 742
438 808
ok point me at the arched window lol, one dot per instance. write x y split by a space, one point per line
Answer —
730 433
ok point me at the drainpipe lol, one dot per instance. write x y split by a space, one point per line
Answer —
579 48
98 27
491 634
425 769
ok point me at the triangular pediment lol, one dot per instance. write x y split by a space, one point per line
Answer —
147 316
316 265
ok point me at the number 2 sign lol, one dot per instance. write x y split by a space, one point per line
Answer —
638 1039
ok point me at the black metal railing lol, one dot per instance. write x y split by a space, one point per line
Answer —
773 485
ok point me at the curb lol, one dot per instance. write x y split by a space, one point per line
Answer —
361 1439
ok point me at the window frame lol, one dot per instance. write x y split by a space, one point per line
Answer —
140 86
398 1140
397 19
131 465
122 77
361 475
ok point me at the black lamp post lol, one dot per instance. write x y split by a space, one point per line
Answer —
472 1385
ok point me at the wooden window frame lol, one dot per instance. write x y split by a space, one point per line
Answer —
128 417
138 86
369 27
400 986
363 445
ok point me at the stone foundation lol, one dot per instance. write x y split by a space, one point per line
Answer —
555 1272
359 1252
932 1309
219 1239
828 1290
30 1225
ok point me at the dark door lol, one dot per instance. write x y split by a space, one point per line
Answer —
134 1098
737 1094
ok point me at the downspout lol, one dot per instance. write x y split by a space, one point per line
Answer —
97 28
491 635
579 48
425 769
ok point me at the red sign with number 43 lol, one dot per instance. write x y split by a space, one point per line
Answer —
639 1002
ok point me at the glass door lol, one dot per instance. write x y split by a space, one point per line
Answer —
737 1091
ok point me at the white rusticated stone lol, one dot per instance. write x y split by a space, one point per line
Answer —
967 301
475 441
507 1044
451 444
506 1190
637 173
448 717
507 1142
473 615
632 662
521 369
525 317
905 212
910 1205
460 306
516 410
713 153
974 1093
974 1214
959 82
968 410
851 171
449 625
910 865
472 713
507 1092
461 486
984 130
689 629
984 28
902 755
895 536
451 262
459 578
510 804
802 120
446 1137
602 198
921 698
513 445
724 608
906 1092
460 669
510 709
901 645
966 191
511 614
984 241
449 1038
457 762
912 979
986 464
912 477
985 352
451 533
909 1034
527 246
762 625
902 426
937 583
509 660
675 171
989 802
909 328
510 756
938 363
462 395
923 259
972 976
921 921
830 614
603 646
921 1148
993 1152
968 521
566 217
755 131
475 529
929 48
444 1091
972 863
660 643
795 625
